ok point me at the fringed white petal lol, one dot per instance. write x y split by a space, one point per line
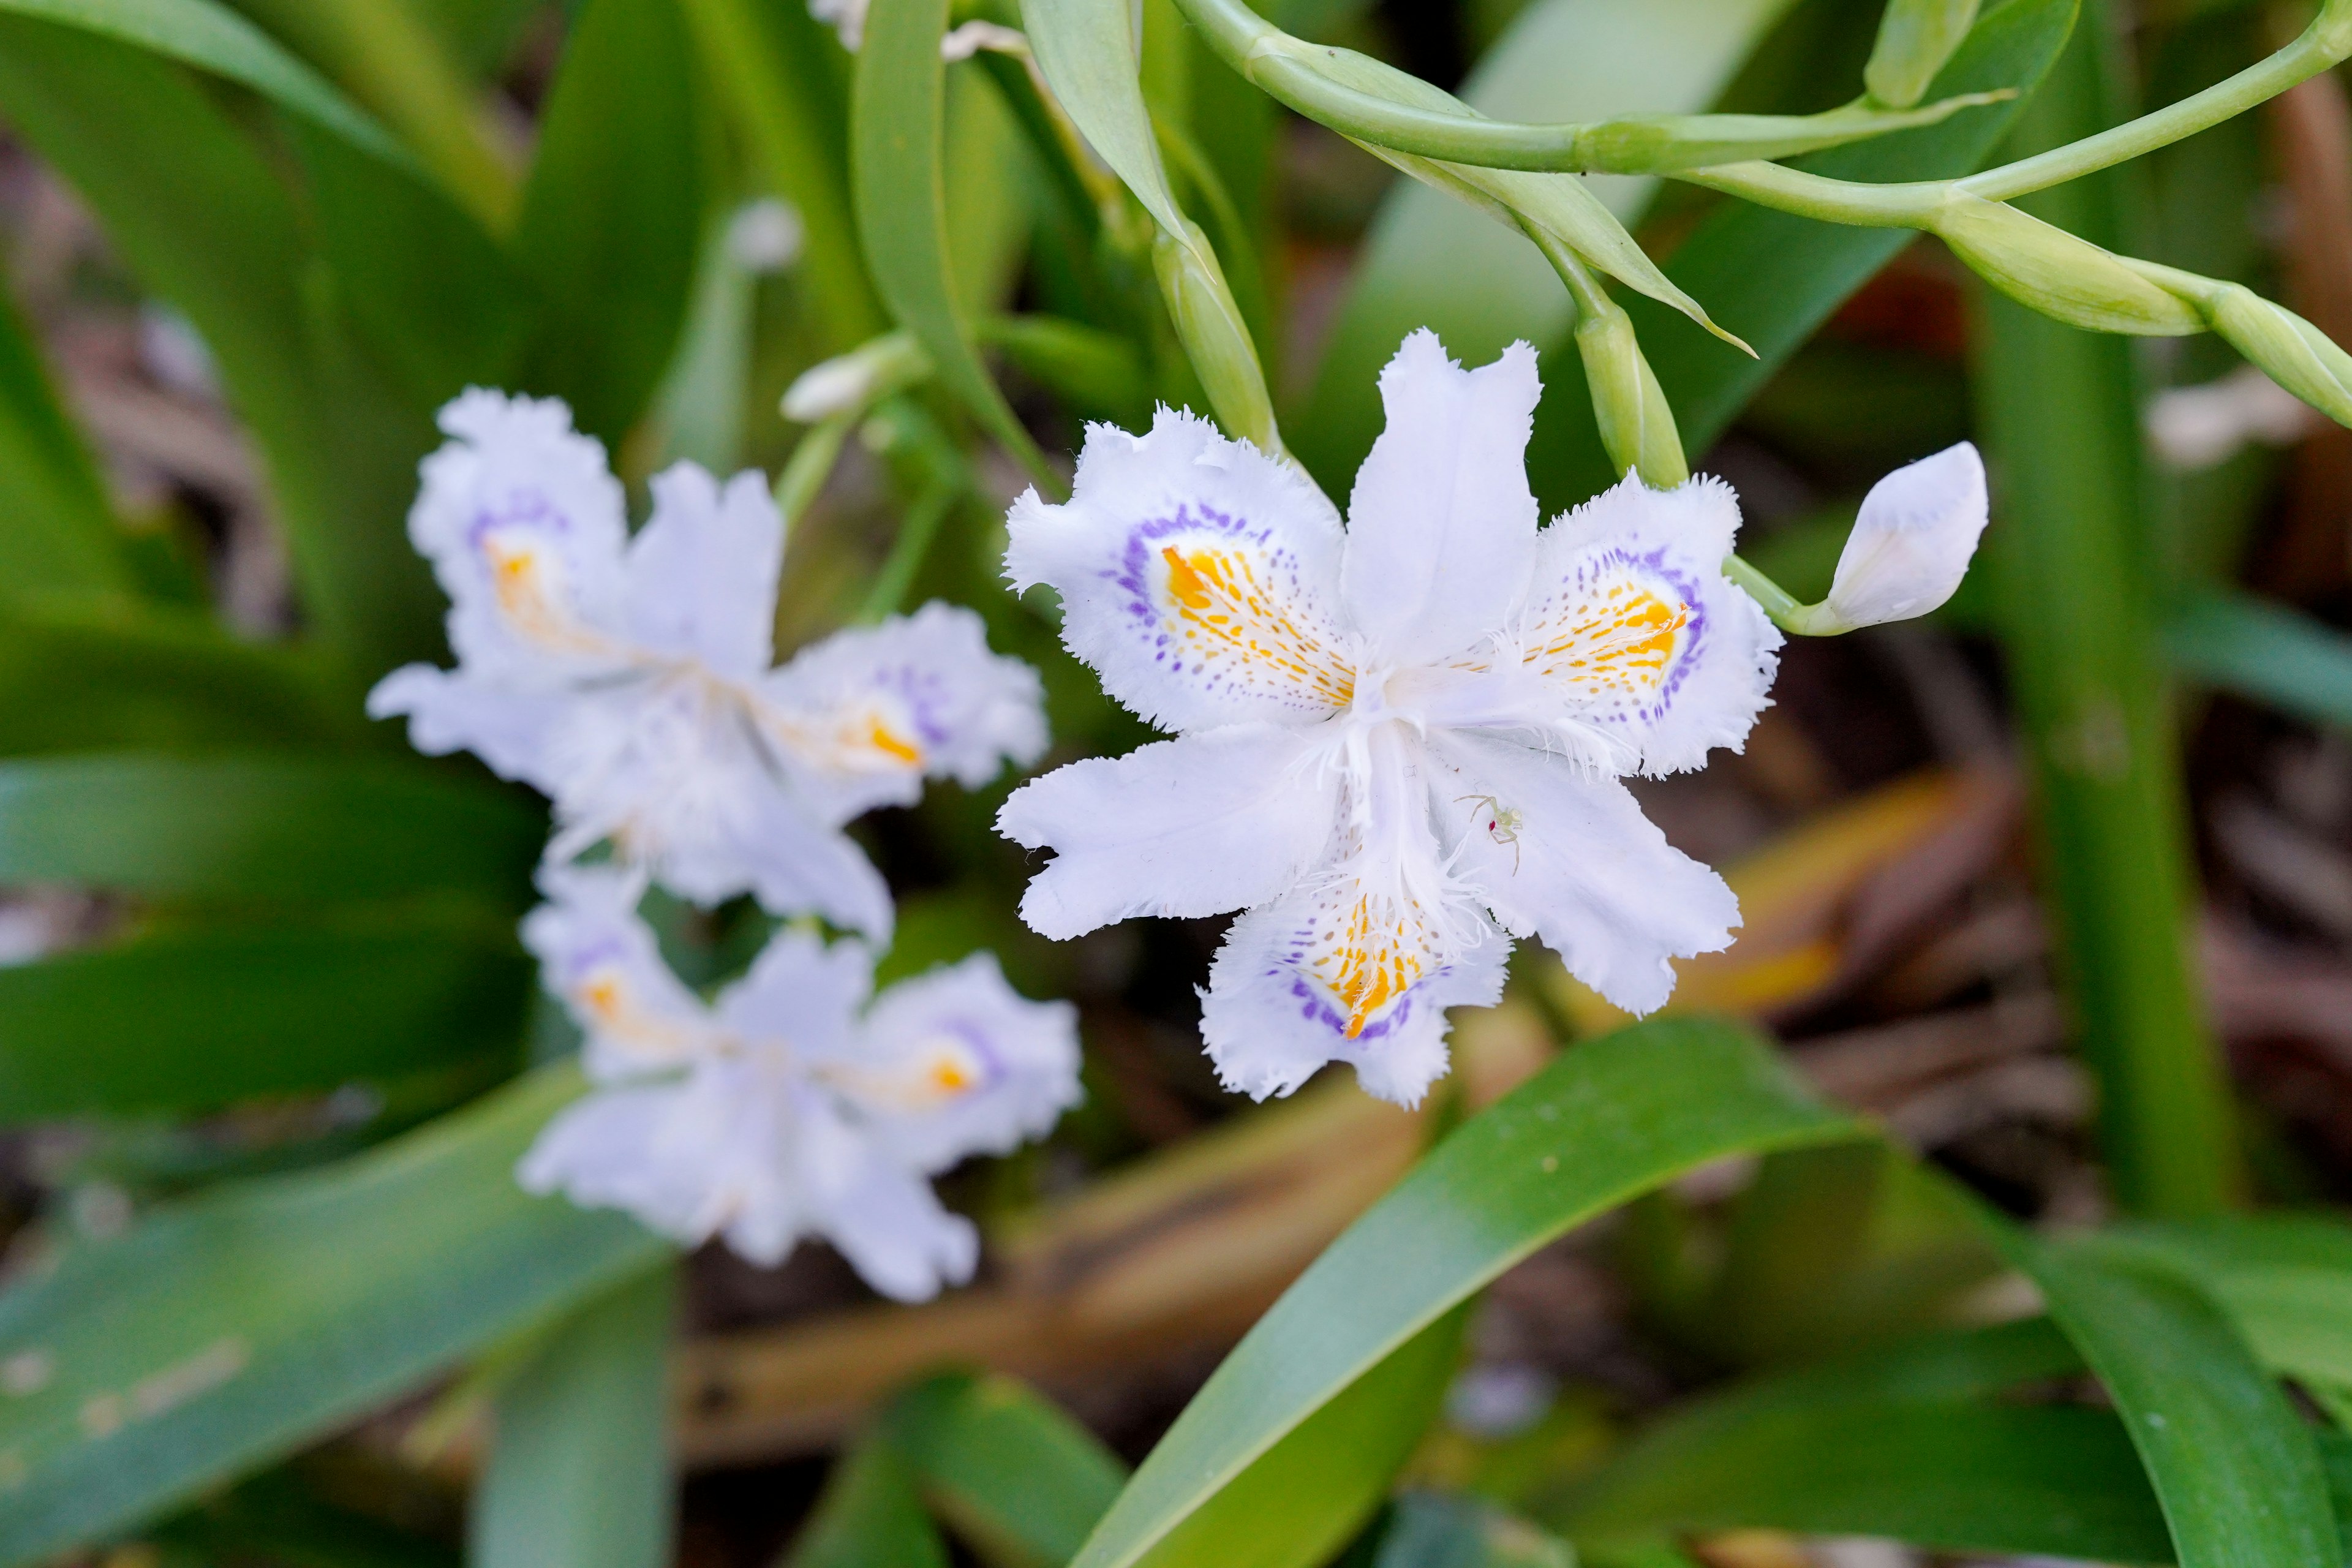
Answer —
702 573
1442 524
1637 634
1559 854
862 717
510 728
802 991
601 960
1198 576
955 1063
524 525
1196 825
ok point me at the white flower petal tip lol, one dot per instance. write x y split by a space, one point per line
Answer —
798 1103
1396 742
631 680
1912 542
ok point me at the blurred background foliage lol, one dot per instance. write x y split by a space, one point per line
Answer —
2055 889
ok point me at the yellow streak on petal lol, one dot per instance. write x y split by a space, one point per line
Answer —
1221 610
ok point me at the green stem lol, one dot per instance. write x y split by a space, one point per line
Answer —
916 531
2069 564
1776 601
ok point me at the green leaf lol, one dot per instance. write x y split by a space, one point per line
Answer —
61 535
263 825
1011 1473
1606 1121
213 38
1773 278
1896 1442
198 212
2072 570
79 677
1302 1499
1478 285
613 212
1426 1531
579 1471
2285 1279
195 1019
2233 1465
870 1516
898 119
2264 651
220 1332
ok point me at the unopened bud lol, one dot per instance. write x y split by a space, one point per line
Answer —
1215 339
1637 428
847 383
1915 38
1910 546
2071 280
2290 350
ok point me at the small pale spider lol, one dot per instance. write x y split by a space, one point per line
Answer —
1503 825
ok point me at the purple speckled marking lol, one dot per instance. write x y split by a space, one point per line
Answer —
1315 1009
972 1035
586 958
1654 564
928 697
520 507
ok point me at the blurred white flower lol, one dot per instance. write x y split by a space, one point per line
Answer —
766 236
630 679
1910 546
2194 427
1398 741
845 17
797 1103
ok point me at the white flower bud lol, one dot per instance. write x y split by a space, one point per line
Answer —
1911 544
847 383
1215 339
2298 355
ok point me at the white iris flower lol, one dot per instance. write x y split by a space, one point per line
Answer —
798 1103
1398 741
630 679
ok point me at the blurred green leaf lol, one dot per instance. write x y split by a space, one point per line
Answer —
1302 1499
1606 1121
2074 569
1426 1531
213 38
2264 651
79 677
1011 1473
482 33
789 106
1897 1442
199 1019
613 212
259 827
61 535
1099 374
2232 1464
1773 278
2285 1279
1430 261
579 1474
197 210
869 1516
898 119
392 60
220 1332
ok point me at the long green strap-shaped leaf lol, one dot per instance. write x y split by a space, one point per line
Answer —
201 214
579 1471
2285 1279
898 119
2266 651
213 38
262 825
221 1332
1773 279
1011 1473
870 1516
612 212
57 532
1605 1122
2241 1483
2074 593
185 1021
81 677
